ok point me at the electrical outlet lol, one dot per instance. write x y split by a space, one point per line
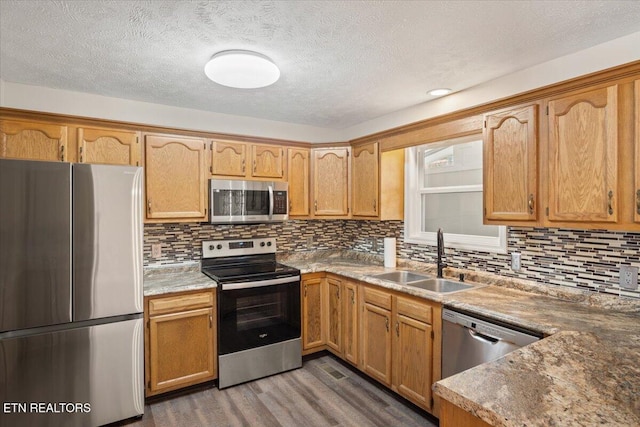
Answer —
156 250
516 264
628 277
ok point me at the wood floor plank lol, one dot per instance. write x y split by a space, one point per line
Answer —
323 393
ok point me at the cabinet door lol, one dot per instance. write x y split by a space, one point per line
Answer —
331 182
181 349
637 153
365 169
228 158
298 160
176 178
313 315
107 146
510 164
267 161
350 321
412 360
21 139
583 150
376 343
334 329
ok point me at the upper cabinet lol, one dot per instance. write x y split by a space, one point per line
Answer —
331 182
267 161
510 165
32 140
583 156
298 163
228 158
108 146
365 165
175 178
636 188
231 159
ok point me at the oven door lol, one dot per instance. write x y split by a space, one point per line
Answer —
255 314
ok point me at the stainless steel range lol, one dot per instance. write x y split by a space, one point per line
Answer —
258 309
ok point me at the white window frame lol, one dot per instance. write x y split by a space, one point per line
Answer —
413 206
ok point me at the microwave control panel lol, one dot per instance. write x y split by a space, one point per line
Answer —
279 202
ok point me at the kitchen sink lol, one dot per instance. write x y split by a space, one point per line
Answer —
401 276
441 286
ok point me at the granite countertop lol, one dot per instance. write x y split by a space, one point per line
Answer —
586 372
175 278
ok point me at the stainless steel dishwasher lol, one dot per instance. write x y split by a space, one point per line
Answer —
468 341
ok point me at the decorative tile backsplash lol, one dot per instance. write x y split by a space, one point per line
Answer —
584 259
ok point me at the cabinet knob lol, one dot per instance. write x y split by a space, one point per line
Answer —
386 323
149 206
610 196
397 329
243 166
353 297
638 202
374 205
305 291
80 154
254 166
315 206
62 153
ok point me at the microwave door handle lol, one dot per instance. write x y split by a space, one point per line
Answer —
270 201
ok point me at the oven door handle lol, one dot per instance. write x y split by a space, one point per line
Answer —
260 283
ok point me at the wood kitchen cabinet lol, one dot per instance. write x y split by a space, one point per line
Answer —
33 140
400 343
583 156
175 178
365 165
298 177
235 159
331 181
413 340
453 416
228 158
108 146
268 161
334 318
377 183
376 334
180 340
511 165
350 321
314 313
636 188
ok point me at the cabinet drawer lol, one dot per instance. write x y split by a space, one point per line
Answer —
414 309
379 298
180 303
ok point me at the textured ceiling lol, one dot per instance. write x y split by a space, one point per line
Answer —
342 62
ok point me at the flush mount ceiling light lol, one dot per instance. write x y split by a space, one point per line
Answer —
242 69
439 92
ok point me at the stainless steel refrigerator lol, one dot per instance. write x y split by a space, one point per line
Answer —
71 323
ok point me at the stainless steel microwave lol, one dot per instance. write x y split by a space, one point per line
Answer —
248 202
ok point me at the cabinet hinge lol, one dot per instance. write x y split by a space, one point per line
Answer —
149 384
432 335
205 145
211 146
431 402
547 210
137 140
485 124
137 163
147 323
211 170
547 110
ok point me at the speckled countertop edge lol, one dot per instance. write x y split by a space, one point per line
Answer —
175 278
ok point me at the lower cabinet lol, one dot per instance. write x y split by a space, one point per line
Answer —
314 313
392 337
180 340
453 416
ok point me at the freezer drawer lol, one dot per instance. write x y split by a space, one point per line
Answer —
85 376
35 244
107 241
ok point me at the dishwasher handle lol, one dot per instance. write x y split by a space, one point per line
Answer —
482 337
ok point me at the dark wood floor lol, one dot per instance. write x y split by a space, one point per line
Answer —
324 392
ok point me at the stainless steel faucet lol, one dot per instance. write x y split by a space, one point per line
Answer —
441 265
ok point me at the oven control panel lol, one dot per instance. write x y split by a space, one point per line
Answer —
225 248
